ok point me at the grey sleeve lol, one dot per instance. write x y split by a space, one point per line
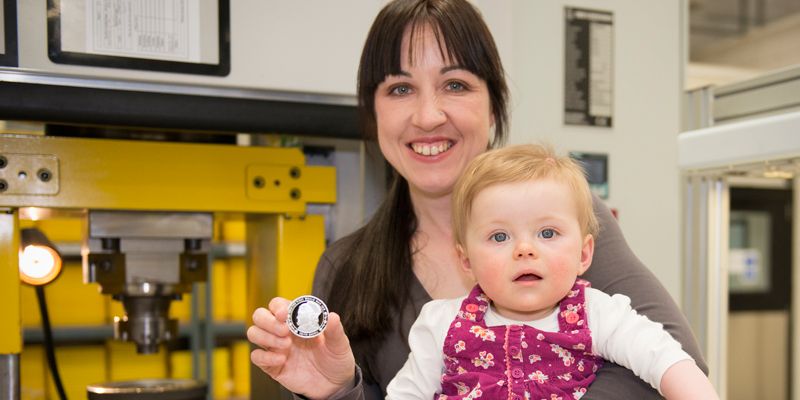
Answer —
321 287
615 269
356 393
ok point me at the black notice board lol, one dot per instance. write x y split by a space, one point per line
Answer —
56 29
588 67
8 57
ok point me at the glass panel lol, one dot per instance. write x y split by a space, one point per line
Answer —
749 257
731 41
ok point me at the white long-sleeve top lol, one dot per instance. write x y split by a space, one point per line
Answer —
619 334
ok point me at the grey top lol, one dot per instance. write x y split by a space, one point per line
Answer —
614 269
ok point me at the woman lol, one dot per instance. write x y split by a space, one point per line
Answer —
432 91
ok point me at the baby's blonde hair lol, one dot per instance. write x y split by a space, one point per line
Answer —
516 164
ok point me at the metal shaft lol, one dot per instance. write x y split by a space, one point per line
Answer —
9 376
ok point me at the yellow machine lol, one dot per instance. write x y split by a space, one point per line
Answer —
149 209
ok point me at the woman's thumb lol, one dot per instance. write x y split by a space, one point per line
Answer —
335 338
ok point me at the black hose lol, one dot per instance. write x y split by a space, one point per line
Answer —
49 347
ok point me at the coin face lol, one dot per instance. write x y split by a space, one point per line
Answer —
307 316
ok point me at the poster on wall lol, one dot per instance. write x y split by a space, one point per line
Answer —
157 35
588 67
8 33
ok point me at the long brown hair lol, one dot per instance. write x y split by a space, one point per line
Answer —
372 284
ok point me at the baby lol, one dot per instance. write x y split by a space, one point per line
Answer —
531 329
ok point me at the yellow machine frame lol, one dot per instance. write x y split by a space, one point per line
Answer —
269 186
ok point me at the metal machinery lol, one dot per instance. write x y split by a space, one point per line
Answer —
150 208
737 132
146 260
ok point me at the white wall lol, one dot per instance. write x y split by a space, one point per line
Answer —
642 145
309 46
314 46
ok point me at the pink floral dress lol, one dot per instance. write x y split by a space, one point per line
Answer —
519 361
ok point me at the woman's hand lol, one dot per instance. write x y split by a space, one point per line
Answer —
316 368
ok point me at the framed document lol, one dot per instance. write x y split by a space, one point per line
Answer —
181 36
588 67
8 32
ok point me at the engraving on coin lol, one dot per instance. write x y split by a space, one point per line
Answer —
307 316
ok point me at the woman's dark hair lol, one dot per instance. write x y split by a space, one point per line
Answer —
371 286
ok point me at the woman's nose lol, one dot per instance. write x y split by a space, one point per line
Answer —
429 113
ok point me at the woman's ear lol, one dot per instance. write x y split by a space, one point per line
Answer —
464 259
587 252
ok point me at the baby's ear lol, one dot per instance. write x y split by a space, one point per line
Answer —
587 252
464 259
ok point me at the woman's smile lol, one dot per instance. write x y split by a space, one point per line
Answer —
432 148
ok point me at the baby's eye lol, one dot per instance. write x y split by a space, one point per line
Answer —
547 233
499 237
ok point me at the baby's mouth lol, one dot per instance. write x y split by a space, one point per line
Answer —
431 149
527 278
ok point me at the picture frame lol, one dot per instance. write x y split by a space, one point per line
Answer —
152 35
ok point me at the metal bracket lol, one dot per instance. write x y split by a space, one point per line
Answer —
35 174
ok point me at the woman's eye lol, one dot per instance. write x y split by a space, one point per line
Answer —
547 233
400 90
499 237
455 86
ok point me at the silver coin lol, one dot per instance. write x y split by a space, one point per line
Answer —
307 317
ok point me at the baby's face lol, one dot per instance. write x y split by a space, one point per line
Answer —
524 246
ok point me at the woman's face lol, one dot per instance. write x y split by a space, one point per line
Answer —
432 118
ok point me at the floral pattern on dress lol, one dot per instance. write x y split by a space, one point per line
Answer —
460 346
554 365
539 377
517 355
467 315
571 308
474 393
564 354
484 360
483 333
461 388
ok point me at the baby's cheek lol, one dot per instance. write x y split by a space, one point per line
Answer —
564 268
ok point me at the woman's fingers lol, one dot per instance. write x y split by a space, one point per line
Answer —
269 361
268 321
267 340
269 331
279 308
